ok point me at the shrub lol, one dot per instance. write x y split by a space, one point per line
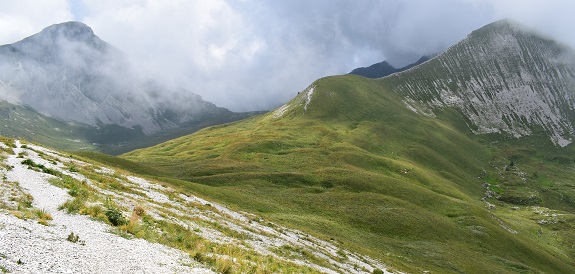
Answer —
377 271
139 211
40 167
78 191
133 227
43 222
73 206
74 238
115 216
93 210
28 162
42 214
26 201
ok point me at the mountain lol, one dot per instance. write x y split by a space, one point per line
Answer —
383 68
68 73
501 78
467 155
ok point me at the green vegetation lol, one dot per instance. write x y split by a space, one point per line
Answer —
40 167
25 122
115 216
353 165
88 199
357 167
72 237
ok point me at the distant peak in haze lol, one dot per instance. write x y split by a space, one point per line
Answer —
383 69
67 72
502 25
60 42
69 30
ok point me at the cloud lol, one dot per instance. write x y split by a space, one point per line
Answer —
255 54
19 19
553 18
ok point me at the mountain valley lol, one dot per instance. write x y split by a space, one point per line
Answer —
397 169
462 163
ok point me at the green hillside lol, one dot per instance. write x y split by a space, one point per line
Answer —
18 121
348 161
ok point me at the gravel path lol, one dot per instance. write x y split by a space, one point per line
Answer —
29 247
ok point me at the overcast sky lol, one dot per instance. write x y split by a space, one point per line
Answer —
257 54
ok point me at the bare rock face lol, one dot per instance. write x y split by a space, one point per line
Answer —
67 72
501 79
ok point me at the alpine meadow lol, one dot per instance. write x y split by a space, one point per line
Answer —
459 163
408 168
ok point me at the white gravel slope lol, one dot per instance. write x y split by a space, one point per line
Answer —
29 247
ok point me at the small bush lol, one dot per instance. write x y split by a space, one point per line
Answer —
74 238
377 271
40 167
115 216
133 226
78 191
29 162
73 206
26 201
224 265
42 214
93 211
139 211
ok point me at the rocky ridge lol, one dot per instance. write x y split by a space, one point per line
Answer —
502 79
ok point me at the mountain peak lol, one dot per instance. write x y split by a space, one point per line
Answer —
47 44
504 26
69 30
68 73
384 68
503 78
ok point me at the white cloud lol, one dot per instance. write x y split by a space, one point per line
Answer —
19 19
551 17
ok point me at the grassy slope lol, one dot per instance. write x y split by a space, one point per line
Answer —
361 168
24 122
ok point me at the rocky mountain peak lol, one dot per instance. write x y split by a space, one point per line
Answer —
70 30
61 43
67 72
502 78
